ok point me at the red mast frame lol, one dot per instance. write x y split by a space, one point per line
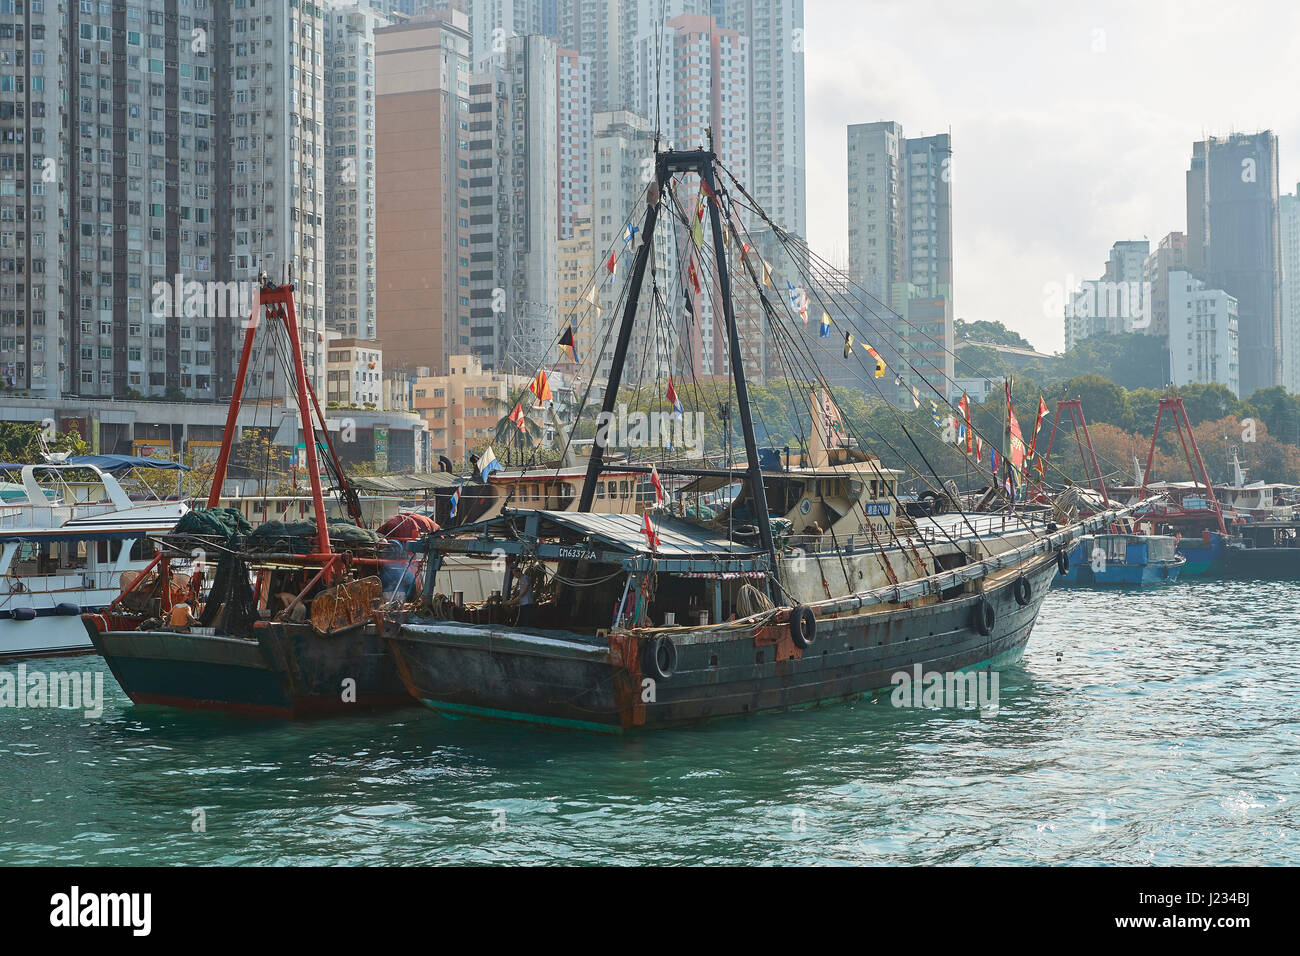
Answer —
1175 406
1080 427
277 304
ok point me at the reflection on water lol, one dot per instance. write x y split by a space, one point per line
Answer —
1155 726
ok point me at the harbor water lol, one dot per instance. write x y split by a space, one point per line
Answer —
1155 726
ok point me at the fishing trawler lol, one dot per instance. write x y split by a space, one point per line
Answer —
69 535
621 622
273 621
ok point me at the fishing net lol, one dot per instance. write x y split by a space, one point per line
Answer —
299 537
225 523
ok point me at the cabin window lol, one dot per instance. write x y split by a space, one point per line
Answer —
108 551
600 489
622 489
142 549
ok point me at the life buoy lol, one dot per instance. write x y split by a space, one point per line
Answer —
983 617
1022 591
661 657
1063 561
803 626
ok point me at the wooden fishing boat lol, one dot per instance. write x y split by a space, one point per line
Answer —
286 627
624 622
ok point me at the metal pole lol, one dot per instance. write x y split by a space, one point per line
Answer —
620 349
754 470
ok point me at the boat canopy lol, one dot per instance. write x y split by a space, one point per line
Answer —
407 484
682 546
113 464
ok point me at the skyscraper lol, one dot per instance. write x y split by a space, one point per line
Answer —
187 152
573 99
1233 242
422 127
900 249
350 164
1170 254
1289 231
776 104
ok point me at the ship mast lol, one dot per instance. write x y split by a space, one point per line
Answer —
667 165
277 303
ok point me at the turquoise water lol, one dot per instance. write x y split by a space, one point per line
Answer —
1142 727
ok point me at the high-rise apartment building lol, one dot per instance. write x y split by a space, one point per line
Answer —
1233 242
900 250
1203 333
513 151
573 128
1120 301
1289 233
350 161
877 217
186 157
423 118
594 28
774 29
1169 254
493 22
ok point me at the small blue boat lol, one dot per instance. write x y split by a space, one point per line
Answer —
1123 560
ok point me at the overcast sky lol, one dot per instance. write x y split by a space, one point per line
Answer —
1072 123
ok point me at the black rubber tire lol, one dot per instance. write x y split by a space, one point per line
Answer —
1063 561
660 657
983 617
1022 591
803 626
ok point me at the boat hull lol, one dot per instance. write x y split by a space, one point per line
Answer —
48 634
566 681
1202 558
1264 563
288 671
1121 575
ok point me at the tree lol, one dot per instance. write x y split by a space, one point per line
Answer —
1279 410
993 332
1103 400
1207 402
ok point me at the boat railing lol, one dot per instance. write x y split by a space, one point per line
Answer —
946 580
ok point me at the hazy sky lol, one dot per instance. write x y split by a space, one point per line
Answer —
1072 123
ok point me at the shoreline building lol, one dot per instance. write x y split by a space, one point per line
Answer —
1170 254
1233 242
1203 334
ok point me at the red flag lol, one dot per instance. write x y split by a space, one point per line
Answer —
671 396
693 275
540 387
660 497
611 264
517 416
651 538
704 188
